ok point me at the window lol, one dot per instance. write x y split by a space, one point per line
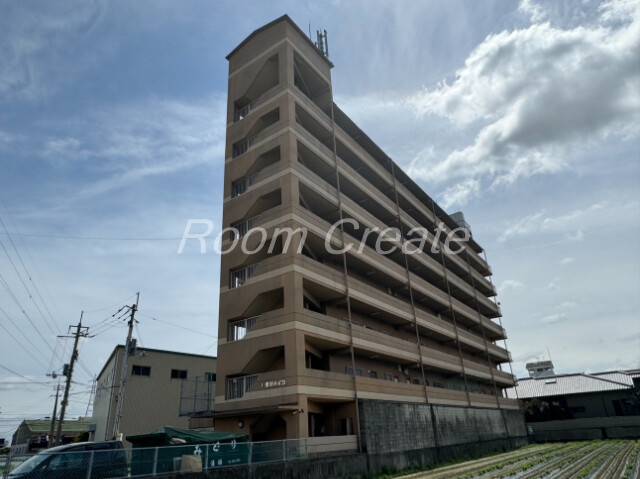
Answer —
388 376
359 371
178 374
211 377
141 370
373 374
416 381
437 384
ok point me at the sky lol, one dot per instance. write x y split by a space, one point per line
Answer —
525 116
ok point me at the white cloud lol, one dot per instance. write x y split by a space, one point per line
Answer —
31 35
553 285
572 225
553 318
567 260
533 10
128 143
509 284
460 193
537 94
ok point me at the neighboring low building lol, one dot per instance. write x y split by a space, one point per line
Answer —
153 386
581 405
33 434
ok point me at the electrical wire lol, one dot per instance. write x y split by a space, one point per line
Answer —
178 326
96 238
24 266
111 324
35 348
22 346
107 318
15 299
48 383
110 306
15 268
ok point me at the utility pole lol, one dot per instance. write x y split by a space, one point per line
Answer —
123 372
80 331
53 417
93 391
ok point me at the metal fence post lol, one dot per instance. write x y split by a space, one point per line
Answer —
250 453
90 465
155 462
206 457
284 450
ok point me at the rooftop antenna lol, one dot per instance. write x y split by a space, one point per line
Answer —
549 353
322 43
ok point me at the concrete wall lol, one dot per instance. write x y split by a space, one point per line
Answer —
621 427
389 427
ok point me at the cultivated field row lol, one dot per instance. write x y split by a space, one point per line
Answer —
575 460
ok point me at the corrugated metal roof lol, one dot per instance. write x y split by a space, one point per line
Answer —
565 384
42 426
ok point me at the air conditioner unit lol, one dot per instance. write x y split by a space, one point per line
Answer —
406 372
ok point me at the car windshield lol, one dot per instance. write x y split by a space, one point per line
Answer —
31 463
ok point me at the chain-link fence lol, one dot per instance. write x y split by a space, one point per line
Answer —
150 461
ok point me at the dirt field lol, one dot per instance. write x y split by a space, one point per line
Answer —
575 460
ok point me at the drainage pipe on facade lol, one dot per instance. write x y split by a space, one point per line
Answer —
484 337
345 270
409 286
453 314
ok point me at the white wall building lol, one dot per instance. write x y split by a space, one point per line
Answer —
152 390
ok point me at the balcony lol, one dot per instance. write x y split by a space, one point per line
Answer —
260 129
243 227
243 146
237 387
241 186
241 113
239 276
239 329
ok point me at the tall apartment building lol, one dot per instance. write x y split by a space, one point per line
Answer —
307 332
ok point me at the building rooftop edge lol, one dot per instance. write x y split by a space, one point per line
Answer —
179 353
283 18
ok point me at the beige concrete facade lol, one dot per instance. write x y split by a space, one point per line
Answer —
305 332
152 396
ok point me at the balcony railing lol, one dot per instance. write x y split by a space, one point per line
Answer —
242 146
242 185
237 387
243 227
240 276
239 329
241 113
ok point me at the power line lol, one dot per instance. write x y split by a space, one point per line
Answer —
15 299
22 346
25 284
23 333
24 377
110 306
178 326
94 238
24 246
35 286
107 318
